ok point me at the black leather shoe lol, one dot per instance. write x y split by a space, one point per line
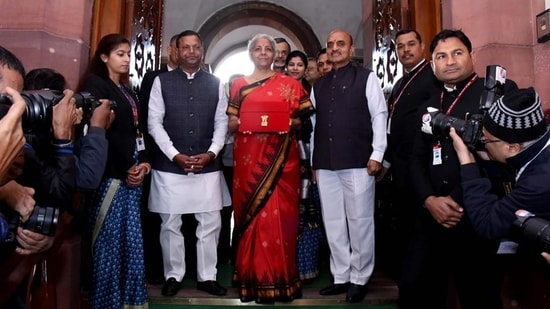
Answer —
356 293
264 301
212 287
171 287
335 289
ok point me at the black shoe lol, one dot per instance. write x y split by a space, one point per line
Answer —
155 279
171 287
211 287
335 289
264 301
356 293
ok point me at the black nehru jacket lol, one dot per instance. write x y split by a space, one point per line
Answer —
343 129
190 109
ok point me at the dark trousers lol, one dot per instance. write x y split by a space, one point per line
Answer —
226 252
438 258
396 207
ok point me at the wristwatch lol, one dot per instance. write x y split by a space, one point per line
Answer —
211 154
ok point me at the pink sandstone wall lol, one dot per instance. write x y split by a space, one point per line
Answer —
504 32
48 33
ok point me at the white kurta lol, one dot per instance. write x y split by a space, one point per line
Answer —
193 193
174 194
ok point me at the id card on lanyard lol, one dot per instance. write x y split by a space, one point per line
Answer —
140 143
436 154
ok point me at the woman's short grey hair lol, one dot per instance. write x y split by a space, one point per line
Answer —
253 41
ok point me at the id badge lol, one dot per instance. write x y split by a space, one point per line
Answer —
436 155
140 143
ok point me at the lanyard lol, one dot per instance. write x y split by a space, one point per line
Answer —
394 104
132 104
468 85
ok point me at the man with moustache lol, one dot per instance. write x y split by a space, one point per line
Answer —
323 62
187 120
312 72
151 221
283 49
444 244
412 90
349 141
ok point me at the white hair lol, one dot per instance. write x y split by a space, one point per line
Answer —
253 41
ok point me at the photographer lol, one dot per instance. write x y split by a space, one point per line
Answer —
516 133
49 169
444 247
12 194
90 145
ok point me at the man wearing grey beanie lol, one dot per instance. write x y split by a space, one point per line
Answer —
515 132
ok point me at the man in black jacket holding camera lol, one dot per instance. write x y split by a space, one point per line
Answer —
444 244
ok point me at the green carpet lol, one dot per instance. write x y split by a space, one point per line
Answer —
273 306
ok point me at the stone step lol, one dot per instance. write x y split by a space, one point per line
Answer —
382 291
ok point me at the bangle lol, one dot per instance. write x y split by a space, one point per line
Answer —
211 154
62 143
147 167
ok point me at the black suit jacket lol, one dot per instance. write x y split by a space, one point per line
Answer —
410 92
144 95
123 131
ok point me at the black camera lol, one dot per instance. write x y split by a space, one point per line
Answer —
43 220
38 113
532 231
437 123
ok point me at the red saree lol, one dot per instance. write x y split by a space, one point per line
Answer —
266 187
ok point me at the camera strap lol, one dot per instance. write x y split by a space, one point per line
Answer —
459 96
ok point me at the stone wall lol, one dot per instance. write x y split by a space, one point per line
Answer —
52 33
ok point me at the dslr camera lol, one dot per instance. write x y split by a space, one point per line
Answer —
43 220
437 123
38 113
532 231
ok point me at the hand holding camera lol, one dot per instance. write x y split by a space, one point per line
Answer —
103 115
464 154
12 141
64 117
18 198
437 123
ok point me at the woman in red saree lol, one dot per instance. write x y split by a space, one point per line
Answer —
266 182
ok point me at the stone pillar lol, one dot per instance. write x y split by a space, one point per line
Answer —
48 33
504 33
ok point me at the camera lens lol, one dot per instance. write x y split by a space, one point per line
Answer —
43 220
442 125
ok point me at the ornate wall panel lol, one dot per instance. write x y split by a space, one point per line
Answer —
387 21
146 30
390 16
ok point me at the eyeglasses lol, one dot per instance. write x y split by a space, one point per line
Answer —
484 140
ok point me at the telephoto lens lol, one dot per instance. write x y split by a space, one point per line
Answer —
533 231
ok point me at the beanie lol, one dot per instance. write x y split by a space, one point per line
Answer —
516 117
